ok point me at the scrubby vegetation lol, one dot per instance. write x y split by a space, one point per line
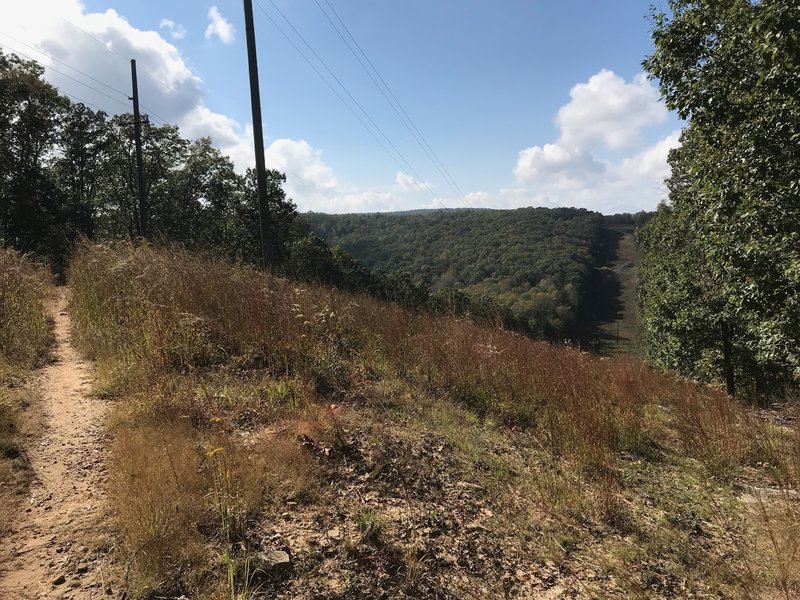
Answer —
25 340
297 441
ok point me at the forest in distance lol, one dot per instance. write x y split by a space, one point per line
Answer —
546 269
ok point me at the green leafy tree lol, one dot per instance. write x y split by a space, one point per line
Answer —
31 215
732 69
79 169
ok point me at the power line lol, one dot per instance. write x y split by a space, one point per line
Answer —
109 48
393 102
101 92
110 87
82 101
98 40
418 180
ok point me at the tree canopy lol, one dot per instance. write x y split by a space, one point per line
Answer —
720 294
537 263
67 170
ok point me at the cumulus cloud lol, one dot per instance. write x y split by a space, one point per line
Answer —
609 111
604 114
219 27
652 161
478 198
176 30
553 160
303 165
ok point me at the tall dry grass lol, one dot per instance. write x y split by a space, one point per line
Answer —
25 341
194 343
25 333
148 311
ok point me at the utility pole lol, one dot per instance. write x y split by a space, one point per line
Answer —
258 133
137 134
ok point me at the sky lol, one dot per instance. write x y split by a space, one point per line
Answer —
432 103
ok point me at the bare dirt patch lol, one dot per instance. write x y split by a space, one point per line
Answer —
57 545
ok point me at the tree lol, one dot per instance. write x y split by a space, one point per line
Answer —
732 69
79 169
31 215
285 224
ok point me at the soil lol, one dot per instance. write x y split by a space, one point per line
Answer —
59 542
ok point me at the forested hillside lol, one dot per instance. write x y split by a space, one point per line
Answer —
540 264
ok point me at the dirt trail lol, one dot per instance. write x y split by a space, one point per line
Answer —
58 545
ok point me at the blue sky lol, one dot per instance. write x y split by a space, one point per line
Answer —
525 102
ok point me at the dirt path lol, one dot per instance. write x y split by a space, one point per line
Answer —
58 546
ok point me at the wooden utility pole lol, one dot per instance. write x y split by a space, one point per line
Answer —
258 133
137 134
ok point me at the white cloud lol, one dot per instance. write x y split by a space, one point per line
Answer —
479 198
408 183
227 134
604 114
176 30
306 173
219 27
364 201
553 160
609 111
652 161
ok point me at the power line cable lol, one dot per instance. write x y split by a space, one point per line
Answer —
101 92
18 52
414 172
398 108
144 71
96 39
82 101
417 181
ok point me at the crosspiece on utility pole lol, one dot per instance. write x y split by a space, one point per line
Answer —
258 134
137 133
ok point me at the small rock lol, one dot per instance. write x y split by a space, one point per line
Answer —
59 580
276 560
82 568
335 534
